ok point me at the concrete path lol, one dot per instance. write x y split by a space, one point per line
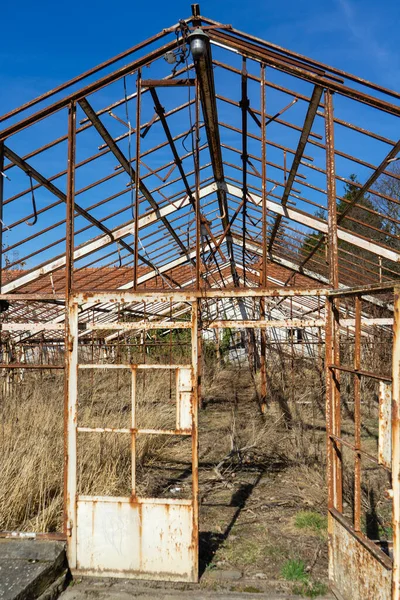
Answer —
127 590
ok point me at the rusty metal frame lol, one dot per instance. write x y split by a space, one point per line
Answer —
208 235
84 562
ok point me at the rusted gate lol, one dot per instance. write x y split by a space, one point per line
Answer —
132 536
361 567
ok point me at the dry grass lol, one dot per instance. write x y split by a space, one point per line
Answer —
31 459
31 442
233 437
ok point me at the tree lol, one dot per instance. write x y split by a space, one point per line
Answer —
388 204
363 220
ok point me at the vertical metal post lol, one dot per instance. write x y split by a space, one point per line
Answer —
71 354
69 251
334 387
244 104
197 183
1 226
332 348
263 278
396 447
196 333
331 191
357 417
133 432
263 359
1 215
329 426
137 180
264 178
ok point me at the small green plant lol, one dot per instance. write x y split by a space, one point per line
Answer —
312 521
294 570
310 589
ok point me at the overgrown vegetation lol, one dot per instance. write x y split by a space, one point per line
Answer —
262 481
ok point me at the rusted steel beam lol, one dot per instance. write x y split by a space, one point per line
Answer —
308 122
255 52
70 423
263 181
69 267
334 474
160 111
318 224
133 177
70 201
244 107
123 295
307 61
88 73
205 77
197 213
91 114
22 164
37 326
374 287
372 547
43 297
110 107
329 414
300 96
348 444
262 324
30 366
92 246
269 118
2 177
359 372
396 447
361 192
89 89
196 360
357 415
331 192
151 83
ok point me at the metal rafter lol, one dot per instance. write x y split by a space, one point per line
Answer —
308 122
126 165
205 77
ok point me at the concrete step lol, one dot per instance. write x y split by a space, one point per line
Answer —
30 569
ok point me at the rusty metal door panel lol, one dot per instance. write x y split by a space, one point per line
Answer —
134 536
147 539
359 570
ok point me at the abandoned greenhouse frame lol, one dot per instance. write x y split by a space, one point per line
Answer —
204 185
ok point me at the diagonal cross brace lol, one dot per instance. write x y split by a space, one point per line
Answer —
98 125
27 168
309 120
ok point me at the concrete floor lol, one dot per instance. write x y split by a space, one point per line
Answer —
106 589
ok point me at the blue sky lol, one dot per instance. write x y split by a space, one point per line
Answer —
44 43
47 43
